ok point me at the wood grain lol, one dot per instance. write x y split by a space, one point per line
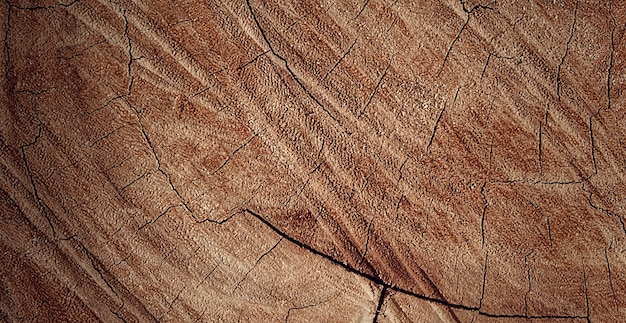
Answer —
313 161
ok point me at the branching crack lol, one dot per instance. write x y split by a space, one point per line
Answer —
159 216
62 5
96 266
458 35
252 61
296 308
160 168
392 286
287 67
607 212
315 169
569 40
42 207
489 56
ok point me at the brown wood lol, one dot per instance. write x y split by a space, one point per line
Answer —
300 161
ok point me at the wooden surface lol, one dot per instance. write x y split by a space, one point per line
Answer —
298 161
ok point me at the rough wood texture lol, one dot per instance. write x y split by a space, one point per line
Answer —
302 161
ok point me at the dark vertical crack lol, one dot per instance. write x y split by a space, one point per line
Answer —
485 67
540 151
482 219
381 300
608 97
529 283
130 53
549 230
393 23
7 52
608 267
432 136
569 40
339 60
482 293
586 291
398 186
610 69
593 145
367 241
398 206
369 100
287 67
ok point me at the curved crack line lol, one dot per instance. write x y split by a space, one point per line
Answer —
391 286
257 262
288 68
569 40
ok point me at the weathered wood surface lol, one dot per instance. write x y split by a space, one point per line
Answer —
301 161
